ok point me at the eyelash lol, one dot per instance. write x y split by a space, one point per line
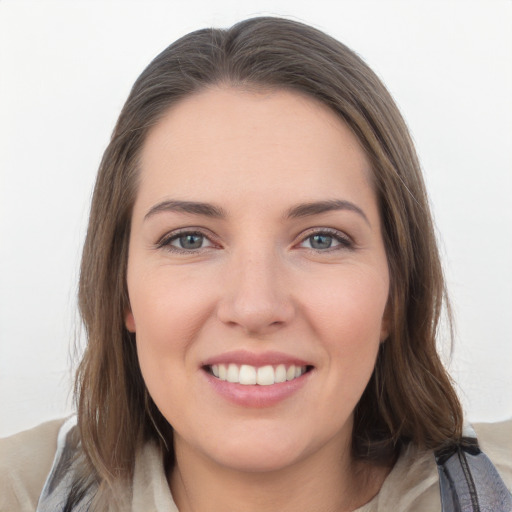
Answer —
344 242
166 240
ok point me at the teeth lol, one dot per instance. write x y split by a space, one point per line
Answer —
233 374
247 374
251 375
265 376
280 373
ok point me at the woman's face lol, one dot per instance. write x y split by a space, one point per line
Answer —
257 277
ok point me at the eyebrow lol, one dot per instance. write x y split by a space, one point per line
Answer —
192 207
317 207
298 211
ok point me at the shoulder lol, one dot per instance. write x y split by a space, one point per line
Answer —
495 440
25 461
413 483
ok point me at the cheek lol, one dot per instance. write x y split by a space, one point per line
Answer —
167 318
352 304
167 309
347 315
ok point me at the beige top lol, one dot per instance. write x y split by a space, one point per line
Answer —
412 485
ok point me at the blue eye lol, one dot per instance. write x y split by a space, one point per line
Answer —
320 241
186 241
323 241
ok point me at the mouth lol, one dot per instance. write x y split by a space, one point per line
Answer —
249 375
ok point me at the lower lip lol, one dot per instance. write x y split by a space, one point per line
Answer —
256 396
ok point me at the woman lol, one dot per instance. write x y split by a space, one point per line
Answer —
261 290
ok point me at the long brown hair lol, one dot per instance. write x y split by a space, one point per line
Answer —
410 397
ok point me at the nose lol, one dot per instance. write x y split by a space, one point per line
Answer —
256 297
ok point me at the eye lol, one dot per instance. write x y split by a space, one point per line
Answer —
185 241
326 240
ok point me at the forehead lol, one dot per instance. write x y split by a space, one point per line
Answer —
231 140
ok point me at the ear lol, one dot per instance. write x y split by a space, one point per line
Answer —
385 326
129 320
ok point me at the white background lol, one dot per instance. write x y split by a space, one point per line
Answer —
65 71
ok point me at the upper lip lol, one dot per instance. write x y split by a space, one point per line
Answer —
240 357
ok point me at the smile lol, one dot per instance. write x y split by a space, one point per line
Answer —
249 375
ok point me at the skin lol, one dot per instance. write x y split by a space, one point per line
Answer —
260 283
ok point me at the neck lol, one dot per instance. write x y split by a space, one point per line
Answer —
323 482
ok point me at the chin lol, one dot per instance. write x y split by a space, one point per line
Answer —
258 458
260 450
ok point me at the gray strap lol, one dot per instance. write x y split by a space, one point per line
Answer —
57 488
469 481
